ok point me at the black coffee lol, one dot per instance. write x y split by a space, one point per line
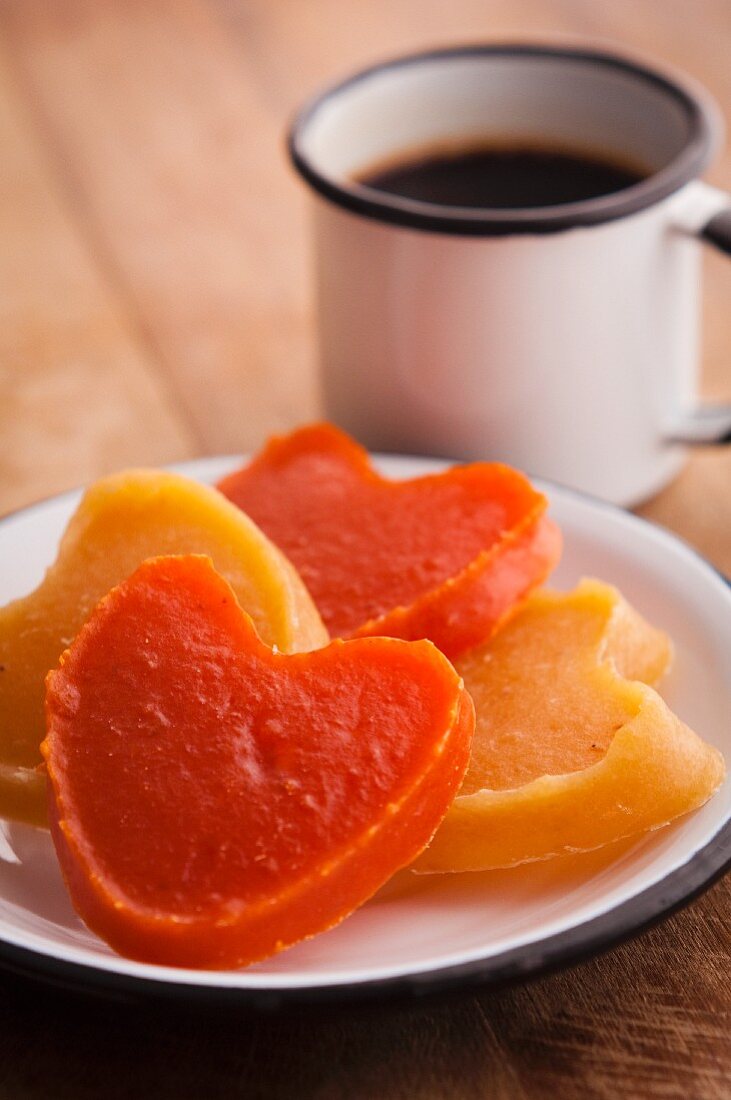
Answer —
502 177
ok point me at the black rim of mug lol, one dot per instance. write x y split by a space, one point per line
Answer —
464 221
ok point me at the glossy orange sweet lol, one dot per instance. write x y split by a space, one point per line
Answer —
444 557
122 520
571 751
213 801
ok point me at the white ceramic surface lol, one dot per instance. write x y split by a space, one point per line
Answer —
418 925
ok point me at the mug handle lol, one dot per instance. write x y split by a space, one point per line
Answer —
704 212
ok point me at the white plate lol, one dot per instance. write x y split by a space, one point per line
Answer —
421 934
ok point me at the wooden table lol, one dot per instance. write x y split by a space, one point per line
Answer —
154 297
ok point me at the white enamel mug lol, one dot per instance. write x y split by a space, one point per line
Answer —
562 339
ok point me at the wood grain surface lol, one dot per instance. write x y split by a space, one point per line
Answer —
154 305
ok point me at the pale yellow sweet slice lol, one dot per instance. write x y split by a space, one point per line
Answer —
121 521
571 750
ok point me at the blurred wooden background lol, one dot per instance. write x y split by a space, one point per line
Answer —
153 241
154 305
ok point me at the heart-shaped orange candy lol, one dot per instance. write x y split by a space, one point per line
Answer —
444 557
213 801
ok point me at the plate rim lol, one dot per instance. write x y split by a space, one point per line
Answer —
567 948
530 961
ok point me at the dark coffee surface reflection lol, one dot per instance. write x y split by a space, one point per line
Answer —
501 177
